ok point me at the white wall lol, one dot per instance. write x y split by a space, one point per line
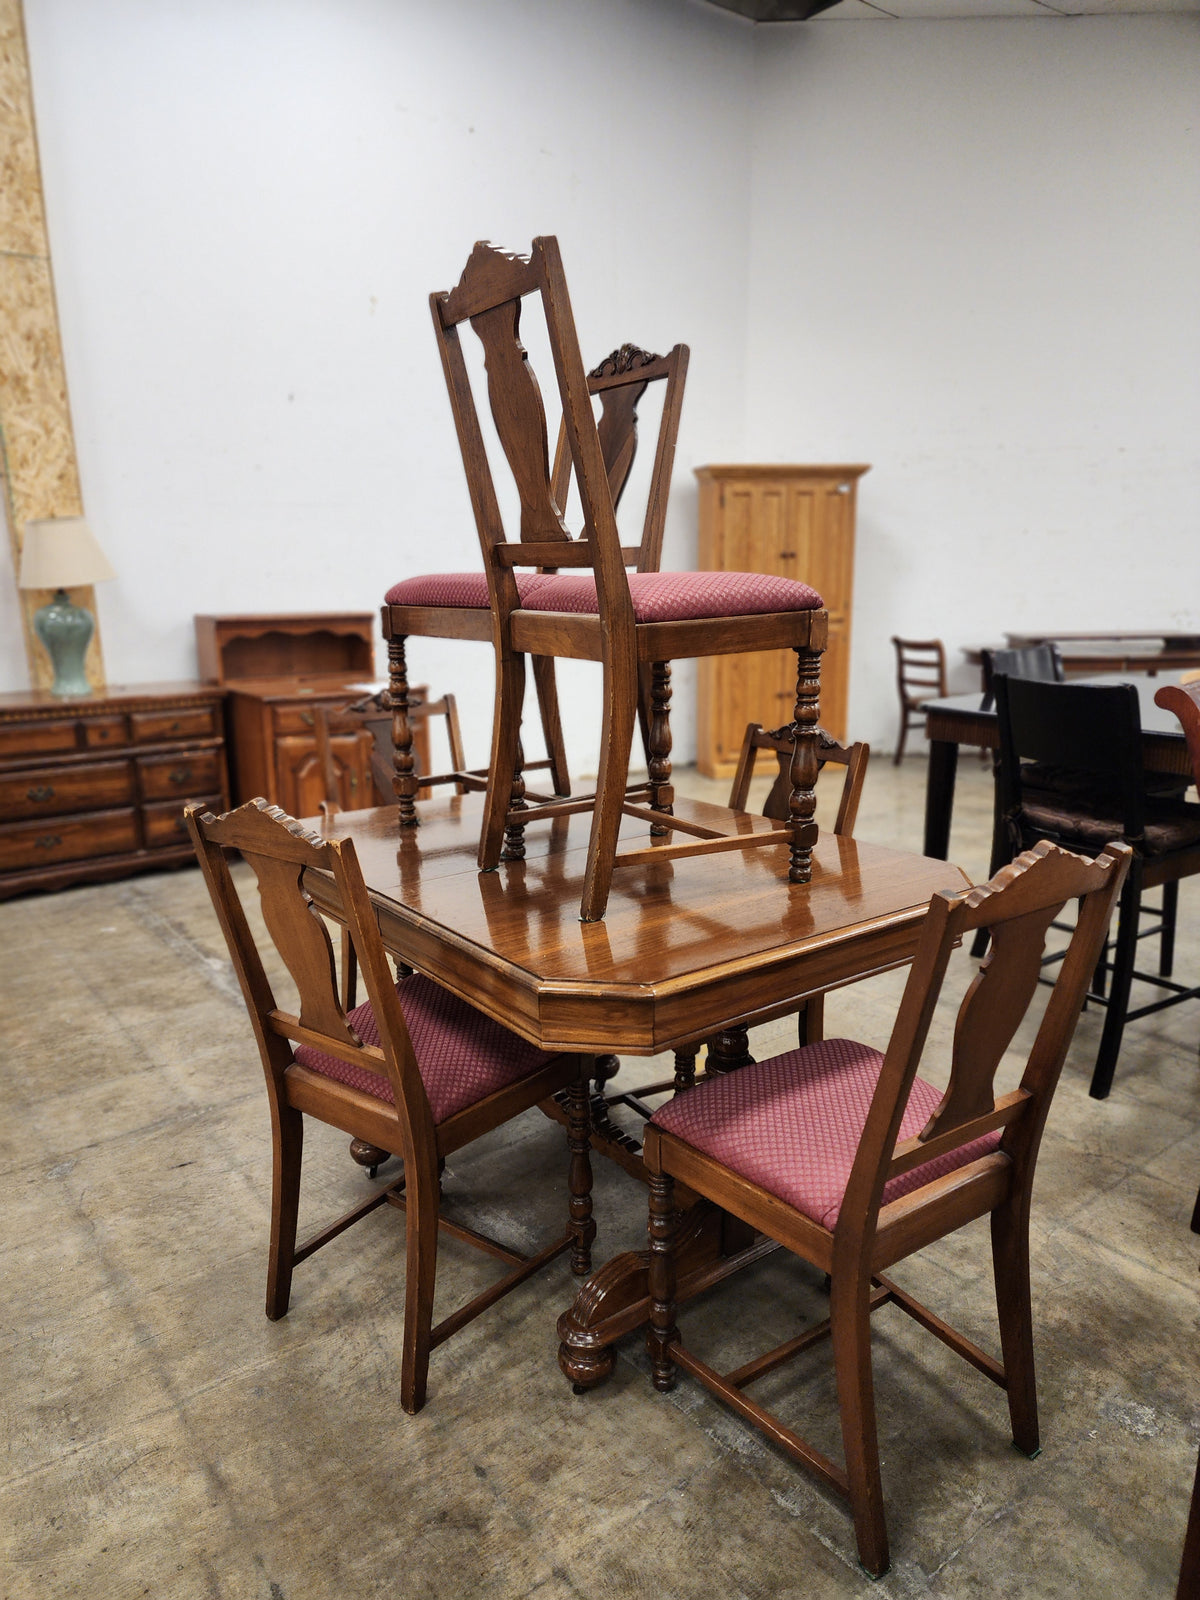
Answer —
975 258
963 251
249 202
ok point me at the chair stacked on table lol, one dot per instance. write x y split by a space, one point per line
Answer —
633 625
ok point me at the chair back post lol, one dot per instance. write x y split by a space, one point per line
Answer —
1184 700
1041 661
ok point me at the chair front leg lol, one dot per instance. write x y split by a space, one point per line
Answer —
514 830
662 795
616 736
662 1328
288 1141
404 778
421 1231
1010 1262
850 1328
1122 978
802 802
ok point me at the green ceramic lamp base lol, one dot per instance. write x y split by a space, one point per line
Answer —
66 631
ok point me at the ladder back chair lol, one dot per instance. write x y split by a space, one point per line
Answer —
628 623
853 1162
853 757
920 676
1071 771
456 605
413 1071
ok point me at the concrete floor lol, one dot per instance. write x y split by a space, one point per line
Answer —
162 1438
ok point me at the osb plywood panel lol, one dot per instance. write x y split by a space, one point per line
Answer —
39 473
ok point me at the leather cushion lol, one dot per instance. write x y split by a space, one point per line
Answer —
792 1125
462 1055
656 596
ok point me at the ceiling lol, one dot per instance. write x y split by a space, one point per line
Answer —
893 10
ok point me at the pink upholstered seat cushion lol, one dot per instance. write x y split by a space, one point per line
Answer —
793 1124
656 596
463 1056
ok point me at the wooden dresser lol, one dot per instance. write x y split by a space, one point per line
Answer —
797 522
95 787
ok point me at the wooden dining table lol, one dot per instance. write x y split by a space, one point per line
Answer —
971 719
691 951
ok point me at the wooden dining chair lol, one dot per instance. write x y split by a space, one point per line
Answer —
631 624
920 676
456 605
853 1162
1087 738
1183 698
413 1070
853 758
370 718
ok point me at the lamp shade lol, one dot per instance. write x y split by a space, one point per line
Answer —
61 553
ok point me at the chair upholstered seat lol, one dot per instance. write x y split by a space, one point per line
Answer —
1168 825
656 596
462 1055
793 1125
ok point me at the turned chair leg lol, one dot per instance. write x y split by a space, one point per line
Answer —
850 1319
662 795
285 1204
404 779
1010 1263
802 801
579 1180
662 1328
421 1230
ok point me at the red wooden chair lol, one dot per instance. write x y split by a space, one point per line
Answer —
853 1162
413 1071
632 625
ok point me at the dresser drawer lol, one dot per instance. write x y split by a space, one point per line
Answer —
49 791
186 774
36 738
190 722
301 719
164 822
52 839
101 731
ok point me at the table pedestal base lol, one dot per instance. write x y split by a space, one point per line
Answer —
709 1246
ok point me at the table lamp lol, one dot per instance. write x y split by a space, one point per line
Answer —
61 553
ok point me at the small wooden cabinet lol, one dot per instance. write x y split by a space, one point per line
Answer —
95 788
796 522
278 669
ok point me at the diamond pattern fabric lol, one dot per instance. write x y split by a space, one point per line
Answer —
793 1124
462 1055
656 596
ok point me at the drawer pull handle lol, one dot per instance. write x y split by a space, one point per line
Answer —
40 793
181 774
307 718
353 781
48 841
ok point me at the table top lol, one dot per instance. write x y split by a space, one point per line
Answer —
687 948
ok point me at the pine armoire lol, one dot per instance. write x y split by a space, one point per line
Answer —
797 521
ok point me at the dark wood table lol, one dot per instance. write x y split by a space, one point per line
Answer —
963 719
1084 654
692 950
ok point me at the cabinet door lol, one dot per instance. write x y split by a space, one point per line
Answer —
301 784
